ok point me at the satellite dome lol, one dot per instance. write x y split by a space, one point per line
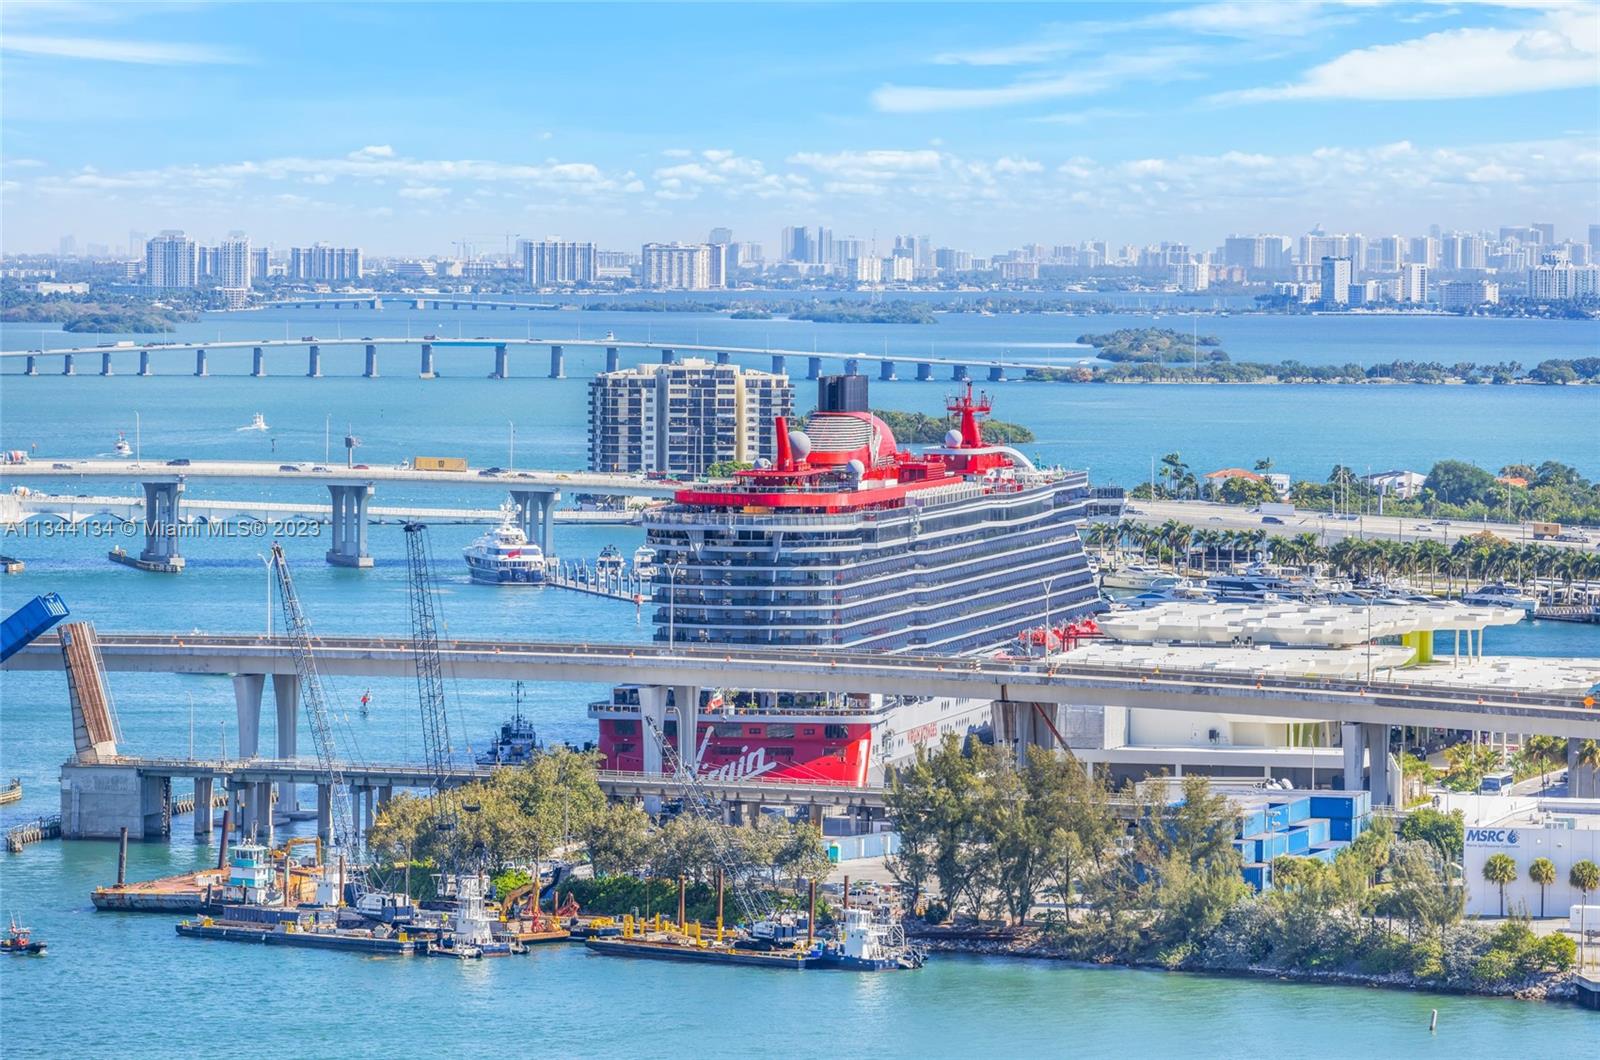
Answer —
763 463
800 444
857 468
952 439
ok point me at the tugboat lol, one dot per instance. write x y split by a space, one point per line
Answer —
518 742
870 944
20 941
504 556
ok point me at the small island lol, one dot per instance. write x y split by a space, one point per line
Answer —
922 429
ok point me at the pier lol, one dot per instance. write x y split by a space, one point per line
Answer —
578 576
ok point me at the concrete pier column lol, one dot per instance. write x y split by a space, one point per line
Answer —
547 525
536 512
314 363
204 793
813 367
1383 772
427 361
200 363
1583 782
261 795
558 363
852 366
372 362
325 814
613 359
144 362
668 357
886 370
161 504
247 690
349 524
32 367
244 809
723 356
358 803
370 801
997 373
924 371
780 365
376 303
258 362
652 706
66 365
502 362
385 796
958 372
105 364
1353 740
686 699
286 697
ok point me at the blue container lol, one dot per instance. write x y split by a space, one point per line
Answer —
1258 875
1253 822
1344 804
1317 829
1326 852
1345 829
1267 846
1299 839
1299 809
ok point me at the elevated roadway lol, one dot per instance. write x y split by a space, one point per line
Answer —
73 510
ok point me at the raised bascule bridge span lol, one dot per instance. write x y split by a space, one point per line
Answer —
1555 698
139 357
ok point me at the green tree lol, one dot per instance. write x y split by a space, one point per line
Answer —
619 840
1585 876
1445 832
1543 872
1458 482
1500 870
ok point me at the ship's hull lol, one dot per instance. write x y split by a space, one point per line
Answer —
483 575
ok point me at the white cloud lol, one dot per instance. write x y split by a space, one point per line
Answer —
424 193
1249 19
146 53
1560 50
373 151
1155 64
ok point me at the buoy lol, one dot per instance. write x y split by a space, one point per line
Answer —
1433 1024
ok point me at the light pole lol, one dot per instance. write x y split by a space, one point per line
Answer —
1048 582
267 565
673 570
511 449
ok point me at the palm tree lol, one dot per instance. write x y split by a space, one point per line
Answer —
1589 754
1544 750
1585 876
1542 872
1500 870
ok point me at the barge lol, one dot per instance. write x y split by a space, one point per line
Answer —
302 932
672 949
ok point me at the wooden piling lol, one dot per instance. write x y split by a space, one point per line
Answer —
122 857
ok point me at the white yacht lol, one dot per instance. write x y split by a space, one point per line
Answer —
609 563
644 562
122 446
504 555
258 423
1499 594
1140 576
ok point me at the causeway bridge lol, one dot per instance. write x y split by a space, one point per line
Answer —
64 359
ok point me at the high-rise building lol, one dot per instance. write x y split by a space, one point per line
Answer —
1564 281
549 262
170 260
676 266
1414 282
795 244
1425 251
724 259
136 241
1391 253
1594 240
1462 250
682 418
1255 252
260 265
322 262
949 260
234 264
902 269
1336 276
865 270
1191 276
1547 233
68 247
1468 294
720 235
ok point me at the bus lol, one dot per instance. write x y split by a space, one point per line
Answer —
1498 781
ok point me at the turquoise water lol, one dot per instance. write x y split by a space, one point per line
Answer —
128 985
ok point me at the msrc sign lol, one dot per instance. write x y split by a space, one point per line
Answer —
1492 837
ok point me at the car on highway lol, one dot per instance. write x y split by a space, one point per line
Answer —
181 461
67 467
492 471
1273 519
319 467
288 467
361 467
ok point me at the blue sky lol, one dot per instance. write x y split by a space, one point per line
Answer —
406 127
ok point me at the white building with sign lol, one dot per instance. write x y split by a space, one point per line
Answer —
1526 828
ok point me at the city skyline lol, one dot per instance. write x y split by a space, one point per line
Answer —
988 127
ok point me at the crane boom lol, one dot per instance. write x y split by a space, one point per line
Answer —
345 837
706 805
425 644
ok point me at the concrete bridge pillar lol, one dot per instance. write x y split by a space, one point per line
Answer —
349 524
924 371
258 362
813 367
852 366
427 361
502 362
958 373
372 362
686 700
668 357
536 511
358 803
314 364
1583 782
286 697
1383 772
261 799
144 362
161 504
723 357
780 364
377 303
652 706
558 363
105 364
203 795
418 304
32 367
66 365
997 373
247 690
886 370
200 363
1021 725
613 359
325 815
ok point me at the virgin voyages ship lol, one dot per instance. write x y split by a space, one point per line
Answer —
848 542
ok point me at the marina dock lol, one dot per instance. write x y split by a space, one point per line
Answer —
668 950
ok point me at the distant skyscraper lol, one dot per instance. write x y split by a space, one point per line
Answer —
548 262
234 264
1547 233
1563 281
322 262
170 260
1425 251
68 247
1391 253
676 266
1594 240
136 241
1414 282
260 265
720 235
1336 277
795 244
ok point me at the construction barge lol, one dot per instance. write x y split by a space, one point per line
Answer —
304 932
683 948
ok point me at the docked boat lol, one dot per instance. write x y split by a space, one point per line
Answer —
12 791
122 447
257 422
847 542
1499 594
504 555
609 564
1261 582
517 743
870 943
1136 576
644 562
19 941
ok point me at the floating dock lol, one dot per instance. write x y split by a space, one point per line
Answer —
669 950
186 892
170 565
291 934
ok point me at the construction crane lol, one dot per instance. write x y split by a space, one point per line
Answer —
706 805
425 646
346 840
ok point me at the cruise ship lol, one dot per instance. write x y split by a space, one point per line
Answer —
847 542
